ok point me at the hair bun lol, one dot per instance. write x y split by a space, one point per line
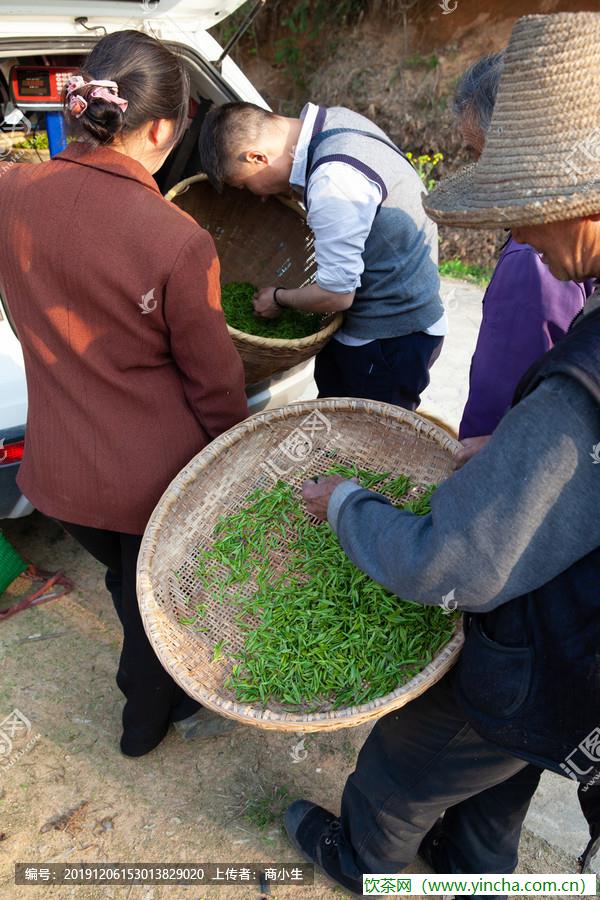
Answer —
129 80
100 118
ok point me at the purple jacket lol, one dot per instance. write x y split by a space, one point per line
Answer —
526 310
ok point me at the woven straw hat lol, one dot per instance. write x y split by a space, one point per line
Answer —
541 161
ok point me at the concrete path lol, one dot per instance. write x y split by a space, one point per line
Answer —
449 387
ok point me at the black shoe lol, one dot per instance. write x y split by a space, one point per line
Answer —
204 724
139 744
184 708
317 834
433 850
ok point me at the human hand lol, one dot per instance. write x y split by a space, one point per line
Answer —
264 304
470 446
316 494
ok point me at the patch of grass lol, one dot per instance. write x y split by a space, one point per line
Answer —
266 808
36 141
456 268
307 27
418 61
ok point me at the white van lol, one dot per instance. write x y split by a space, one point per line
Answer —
40 43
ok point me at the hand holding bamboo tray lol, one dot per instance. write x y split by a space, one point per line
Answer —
287 445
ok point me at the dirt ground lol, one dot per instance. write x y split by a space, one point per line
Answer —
73 797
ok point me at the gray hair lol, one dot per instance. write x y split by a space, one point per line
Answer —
476 91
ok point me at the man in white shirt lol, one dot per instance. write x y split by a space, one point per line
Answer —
376 250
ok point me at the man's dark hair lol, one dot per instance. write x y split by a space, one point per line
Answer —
224 131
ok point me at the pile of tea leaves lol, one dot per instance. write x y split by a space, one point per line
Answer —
292 324
319 633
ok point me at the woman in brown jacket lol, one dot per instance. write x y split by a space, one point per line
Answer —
114 293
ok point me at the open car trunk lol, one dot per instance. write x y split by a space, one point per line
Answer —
207 87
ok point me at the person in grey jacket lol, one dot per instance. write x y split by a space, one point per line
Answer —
376 250
514 534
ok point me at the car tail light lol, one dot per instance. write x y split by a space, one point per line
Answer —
11 453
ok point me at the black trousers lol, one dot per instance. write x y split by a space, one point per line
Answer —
393 370
424 761
153 699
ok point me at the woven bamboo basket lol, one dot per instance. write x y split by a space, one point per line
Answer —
293 443
264 242
431 417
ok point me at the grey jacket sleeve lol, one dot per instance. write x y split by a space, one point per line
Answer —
518 513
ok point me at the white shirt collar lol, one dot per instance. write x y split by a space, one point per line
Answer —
308 115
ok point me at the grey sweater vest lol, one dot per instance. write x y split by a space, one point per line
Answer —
400 288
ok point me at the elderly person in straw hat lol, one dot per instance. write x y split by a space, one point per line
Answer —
526 310
514 534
